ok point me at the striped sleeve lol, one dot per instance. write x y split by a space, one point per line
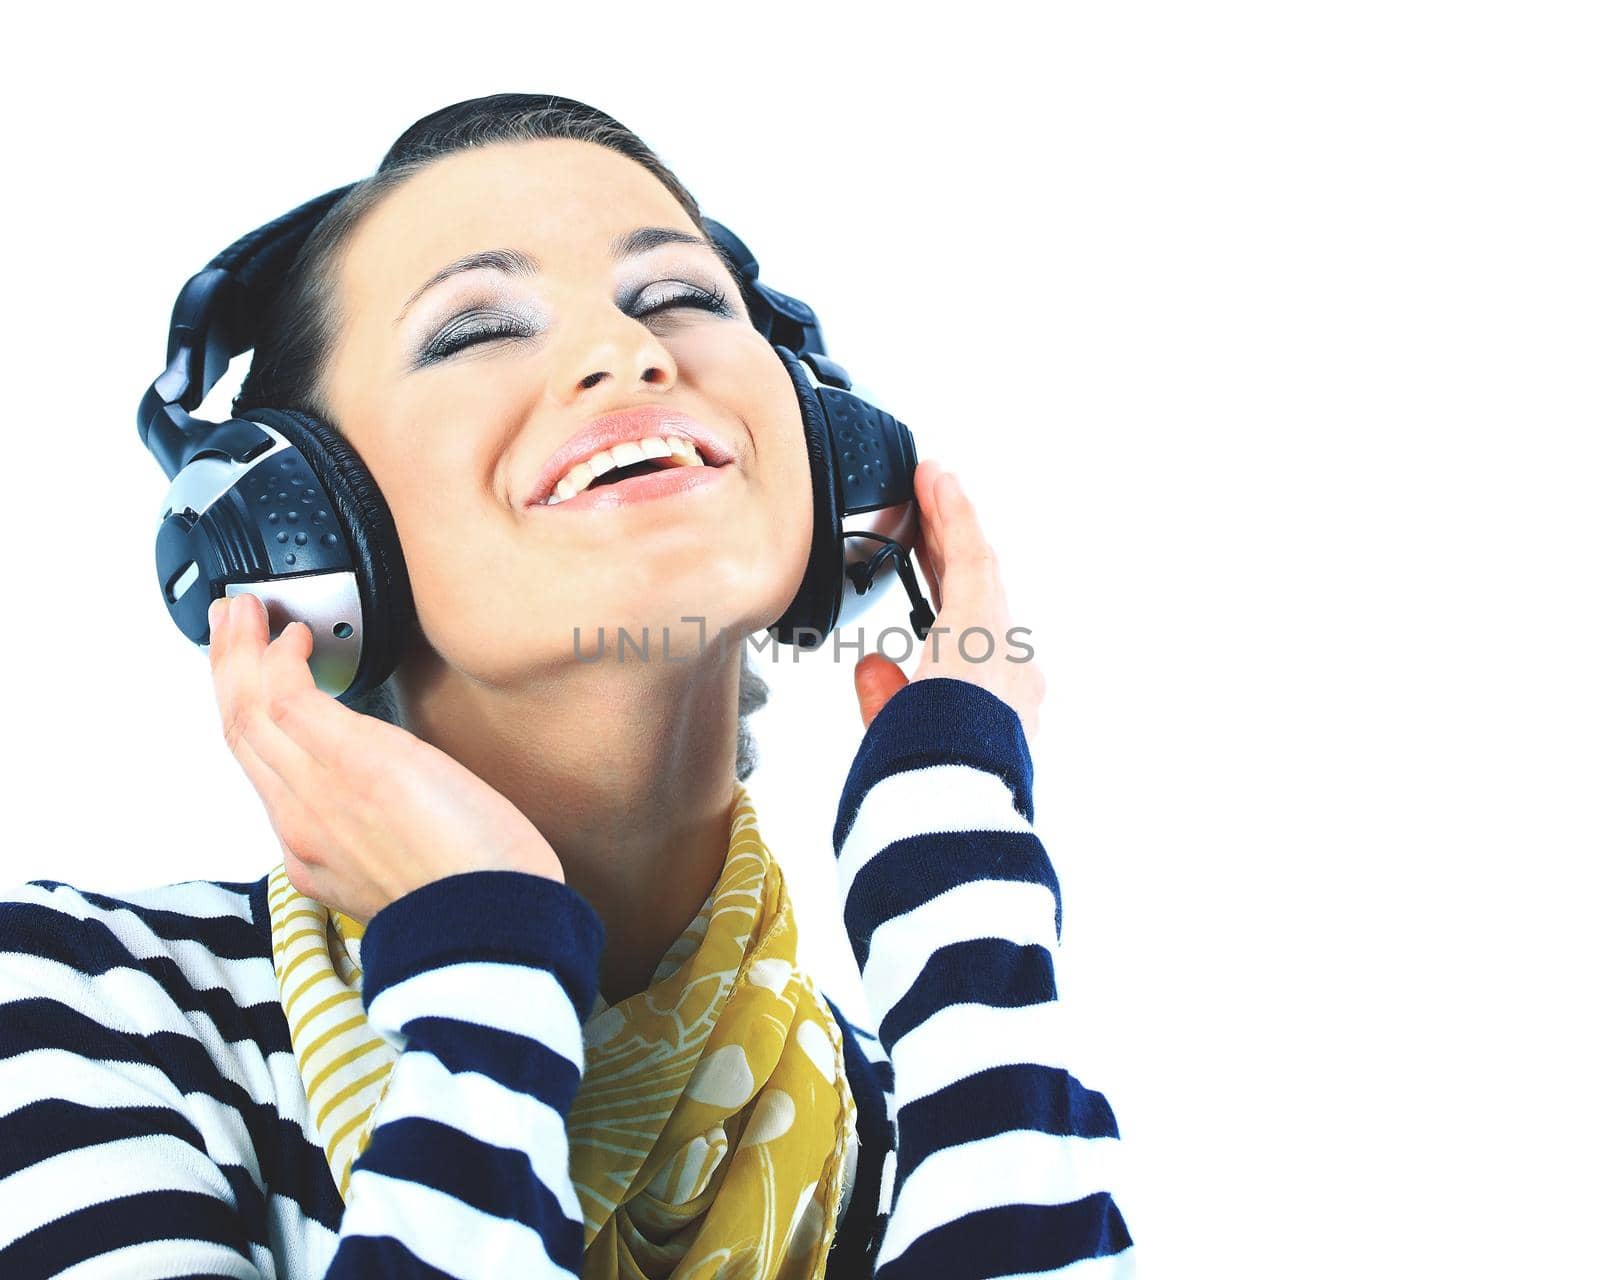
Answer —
112 1163
953 908
112 1131
477 980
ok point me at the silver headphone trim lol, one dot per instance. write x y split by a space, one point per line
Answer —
206 479
322 601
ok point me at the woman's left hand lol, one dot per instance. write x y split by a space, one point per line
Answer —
963 577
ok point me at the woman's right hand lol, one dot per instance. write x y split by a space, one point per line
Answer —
365 811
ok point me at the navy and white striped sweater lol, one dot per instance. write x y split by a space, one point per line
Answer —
153 1121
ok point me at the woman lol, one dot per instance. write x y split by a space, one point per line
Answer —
522 998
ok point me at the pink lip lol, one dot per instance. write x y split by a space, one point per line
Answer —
656 484
617 428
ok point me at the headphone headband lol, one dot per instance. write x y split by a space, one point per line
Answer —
217 317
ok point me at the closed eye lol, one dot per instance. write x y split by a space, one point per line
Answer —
473 328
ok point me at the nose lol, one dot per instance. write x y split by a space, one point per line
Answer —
616 346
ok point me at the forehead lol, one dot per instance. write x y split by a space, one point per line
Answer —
552 197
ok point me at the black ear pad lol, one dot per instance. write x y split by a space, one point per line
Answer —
815 608
388 613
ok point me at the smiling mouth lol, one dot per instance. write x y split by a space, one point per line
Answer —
642 468
644 481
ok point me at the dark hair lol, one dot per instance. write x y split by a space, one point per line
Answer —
289 363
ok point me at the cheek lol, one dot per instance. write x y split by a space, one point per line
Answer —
437 493
772 411
792 500
780 483
490 600
470 575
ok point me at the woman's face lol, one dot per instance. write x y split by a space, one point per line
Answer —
457 438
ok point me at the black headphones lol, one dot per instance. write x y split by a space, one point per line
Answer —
278 504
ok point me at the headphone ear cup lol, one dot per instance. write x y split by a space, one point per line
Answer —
388 614
814 612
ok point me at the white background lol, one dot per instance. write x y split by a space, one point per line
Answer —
1264 337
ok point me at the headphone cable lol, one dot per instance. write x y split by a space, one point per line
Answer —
863 572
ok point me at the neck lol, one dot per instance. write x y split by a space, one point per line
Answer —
627 769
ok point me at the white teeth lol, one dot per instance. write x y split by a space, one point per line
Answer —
577 478
622 455
628 451
684 449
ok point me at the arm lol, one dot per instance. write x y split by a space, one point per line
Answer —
103 1161
954 911
476 978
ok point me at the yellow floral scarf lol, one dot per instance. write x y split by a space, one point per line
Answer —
712 1129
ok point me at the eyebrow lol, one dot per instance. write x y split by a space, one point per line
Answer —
514 262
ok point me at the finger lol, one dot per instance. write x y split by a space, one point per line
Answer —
294 821
965 545
971 577
266 680
927 548
877 680
236 669
929 531
286 665
244 639
299 831
220 617
309 725
343 741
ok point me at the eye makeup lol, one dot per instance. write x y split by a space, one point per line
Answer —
483 322
475 325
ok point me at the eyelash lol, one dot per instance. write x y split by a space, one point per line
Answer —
712 299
